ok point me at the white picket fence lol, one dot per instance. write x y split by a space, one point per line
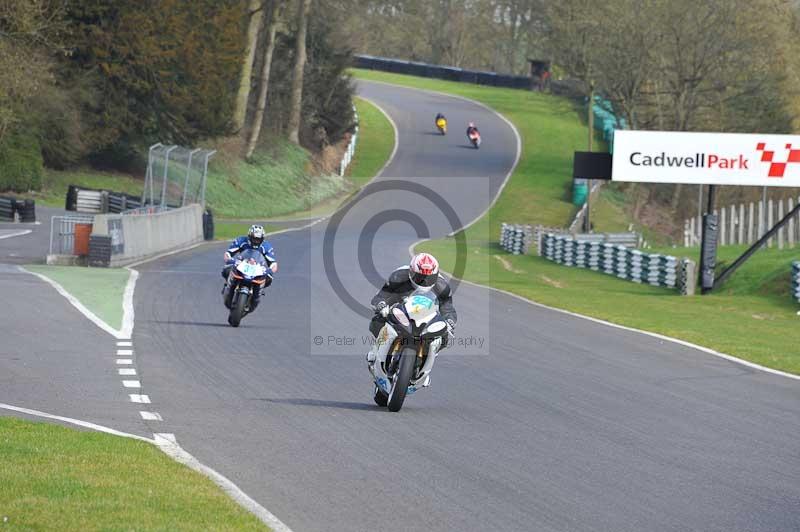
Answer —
746 223
351 147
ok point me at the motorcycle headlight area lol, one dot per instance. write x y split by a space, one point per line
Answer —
400 317
435 327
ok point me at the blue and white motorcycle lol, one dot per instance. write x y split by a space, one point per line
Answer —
248 274
406 349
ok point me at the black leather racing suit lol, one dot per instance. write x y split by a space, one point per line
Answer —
399 285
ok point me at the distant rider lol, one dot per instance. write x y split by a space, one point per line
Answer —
421 273
440 116
471 129
253 240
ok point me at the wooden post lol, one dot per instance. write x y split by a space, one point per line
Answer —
762 213
722 231
750 223
741 223
789 207
692 232
780 217
732 212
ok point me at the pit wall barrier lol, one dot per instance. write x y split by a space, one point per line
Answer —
121 239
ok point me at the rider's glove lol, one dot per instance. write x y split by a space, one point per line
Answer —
382 308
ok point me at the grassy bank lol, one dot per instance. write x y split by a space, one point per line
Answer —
375 143
55 478
99 289
751 317
278 182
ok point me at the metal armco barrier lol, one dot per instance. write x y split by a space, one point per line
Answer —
7 208
620 261
100 201
91 201
62 233
796 280
516 239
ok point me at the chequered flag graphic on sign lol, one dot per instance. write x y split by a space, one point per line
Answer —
777 168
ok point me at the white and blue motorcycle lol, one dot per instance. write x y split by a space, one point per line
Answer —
406 348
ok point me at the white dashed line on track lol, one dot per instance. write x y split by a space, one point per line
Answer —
150 416
139 398
126 371
124 361
124 352
132 384
124 343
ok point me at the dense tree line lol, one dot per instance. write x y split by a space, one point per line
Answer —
99 80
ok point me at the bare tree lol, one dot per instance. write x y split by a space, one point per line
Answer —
271 18
295 106
246 78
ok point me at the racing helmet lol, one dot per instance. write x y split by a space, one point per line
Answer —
471 125
255 235
423 271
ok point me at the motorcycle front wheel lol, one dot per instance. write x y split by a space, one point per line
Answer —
237 310
402 378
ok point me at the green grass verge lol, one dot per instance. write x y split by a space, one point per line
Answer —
55 478
99 289
375 143
751 317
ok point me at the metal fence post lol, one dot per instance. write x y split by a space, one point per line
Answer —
166 176
203 181
188 171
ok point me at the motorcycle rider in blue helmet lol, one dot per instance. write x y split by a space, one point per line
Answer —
253 240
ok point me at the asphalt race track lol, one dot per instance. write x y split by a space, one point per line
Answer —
555 423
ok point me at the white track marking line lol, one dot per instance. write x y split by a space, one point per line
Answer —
150 416
169 445
138 398
124 352
127 372
124 344
18 233
85 424
127 305
124 361
132 384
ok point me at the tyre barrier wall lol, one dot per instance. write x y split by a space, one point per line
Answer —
134 238
97 201
12 209
796 280
621 261
426 70
631 239
516 239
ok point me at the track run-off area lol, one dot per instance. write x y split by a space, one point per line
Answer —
536 420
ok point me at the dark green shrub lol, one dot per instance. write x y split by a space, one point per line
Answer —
21 164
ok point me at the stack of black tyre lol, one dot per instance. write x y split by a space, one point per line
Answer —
26 209
208 225
7 207
99 251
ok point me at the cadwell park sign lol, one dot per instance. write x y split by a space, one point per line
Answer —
706 158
